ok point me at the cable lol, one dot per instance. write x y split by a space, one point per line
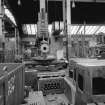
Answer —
47 10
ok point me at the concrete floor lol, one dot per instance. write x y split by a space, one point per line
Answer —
37 98
56 99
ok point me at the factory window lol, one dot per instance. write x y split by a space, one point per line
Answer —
98 85
80 81
9 14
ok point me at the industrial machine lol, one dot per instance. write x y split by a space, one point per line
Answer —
44 61
100 47
49 71
42 40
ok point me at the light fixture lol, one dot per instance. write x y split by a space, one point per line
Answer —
19 2
73 4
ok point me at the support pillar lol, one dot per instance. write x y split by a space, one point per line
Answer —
18 42
84 50
65 26
69 27
42 4
1 24
15 41
2 44
68 13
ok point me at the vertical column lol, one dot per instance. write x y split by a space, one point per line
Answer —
15 41
69 26
2 44
1 16
0 21
65 25
68 4
42 4
84 49
18 42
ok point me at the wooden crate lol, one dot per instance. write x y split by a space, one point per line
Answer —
11 84
89 75
31 78
51 85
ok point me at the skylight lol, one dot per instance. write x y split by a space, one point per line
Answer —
76 29
57 26
81 29
31 29
9 15
87 29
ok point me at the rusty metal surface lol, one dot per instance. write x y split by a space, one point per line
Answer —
10 67
89 62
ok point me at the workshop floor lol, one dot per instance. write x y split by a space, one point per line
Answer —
56 99
37 98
